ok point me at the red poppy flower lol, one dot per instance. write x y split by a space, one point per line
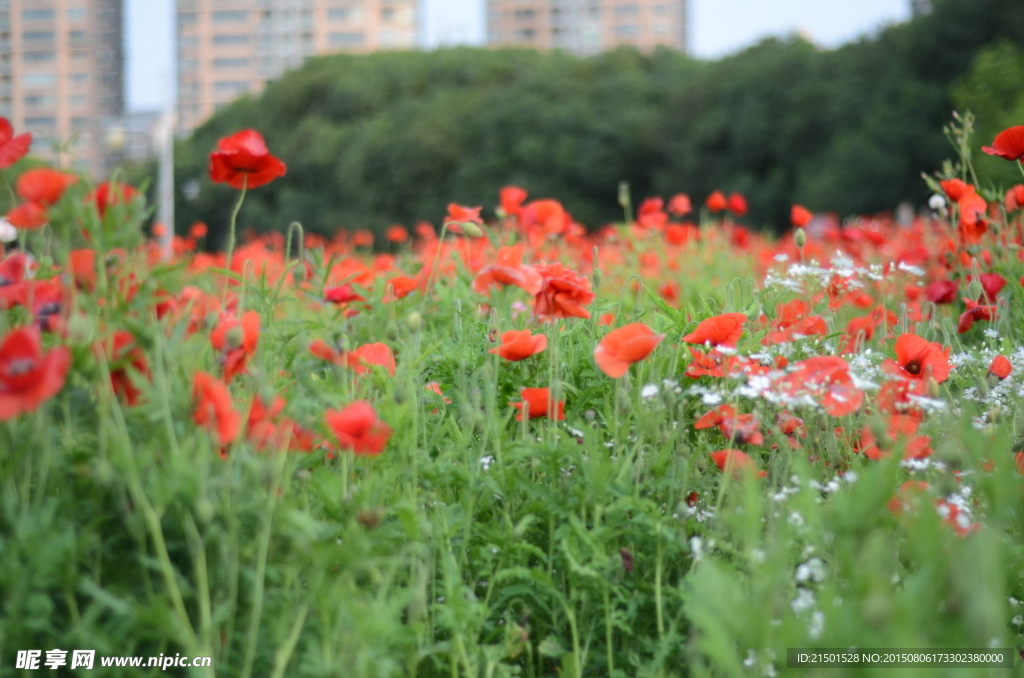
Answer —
897 397
1014 199
991 284
622 347
214 409
358 428
537 402
396 234
400 287
44 185
197 230
125 356
716 202
651 214
975 311
459 214
1000 367
720 330
739 428
268 430
956 188
342 294
563 293
737 204
512 199
508 269
680 204
901 428
736 462
941 291
243 161
28 376
705 364
520 345
1008 144
680 234
109 194
362 359
827 379
918 358
800 216
12 148
28 215
236 340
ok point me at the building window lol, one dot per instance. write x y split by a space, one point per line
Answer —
76 37
187 18
37 15
347 39
40 101
37 35
525 35
188 65
79 56
231 87
661 10
79 124
230 63
627 10
40 122
230 17
524 14
627 31
387 15
186 42
31 80
229 39
76 14
78 100
79 78
38 57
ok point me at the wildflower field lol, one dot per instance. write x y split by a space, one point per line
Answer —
511 445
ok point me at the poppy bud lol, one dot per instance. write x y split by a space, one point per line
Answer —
371 518
400 394
974 289
950 454
205 510
992 380
303 474
235 337
983 387
80 328
471 229
800 238
946 485
299 273
391 330
500 212
996 413
933 387
414 321
1020 426
624 193
597 277
627 559
622 402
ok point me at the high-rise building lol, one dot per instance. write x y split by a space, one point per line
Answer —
61 76
587 26
227 48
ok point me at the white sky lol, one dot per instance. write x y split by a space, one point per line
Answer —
717 28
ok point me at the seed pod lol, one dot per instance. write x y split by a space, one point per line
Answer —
414 321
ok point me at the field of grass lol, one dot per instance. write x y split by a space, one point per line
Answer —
310 458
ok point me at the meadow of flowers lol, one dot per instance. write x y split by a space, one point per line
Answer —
510 446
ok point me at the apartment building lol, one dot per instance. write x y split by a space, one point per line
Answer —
227 48
587 26
61 76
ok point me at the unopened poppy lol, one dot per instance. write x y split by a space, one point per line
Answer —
358 428
520 345
1008 144
622 347
737 204
214 409
243 161
720 330
28 375
537 401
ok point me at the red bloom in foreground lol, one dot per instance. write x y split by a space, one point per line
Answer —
110 193
738 428
512 199
12 148
716 202
720 330
826 378
975 311
267 429
214 409
29 377
622 347
243 161
1008 144
460 214
125 356
1000 367
736 462
28 215
680 204
918 358
563 293
537 401
236 341
358 428
44 185
508 269
800 216
942 291
520 345
901 427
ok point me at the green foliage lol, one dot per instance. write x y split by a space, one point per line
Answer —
392 137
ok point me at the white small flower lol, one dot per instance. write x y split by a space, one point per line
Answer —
8 233
936 202
485 462
649 391
816 625
804 601
749 661
696 547
795 519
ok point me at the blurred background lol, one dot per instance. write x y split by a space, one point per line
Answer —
386 110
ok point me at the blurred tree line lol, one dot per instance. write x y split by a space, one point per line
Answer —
392 137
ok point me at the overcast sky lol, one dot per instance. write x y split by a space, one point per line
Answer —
717 28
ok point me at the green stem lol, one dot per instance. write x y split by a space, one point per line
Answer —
234 219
